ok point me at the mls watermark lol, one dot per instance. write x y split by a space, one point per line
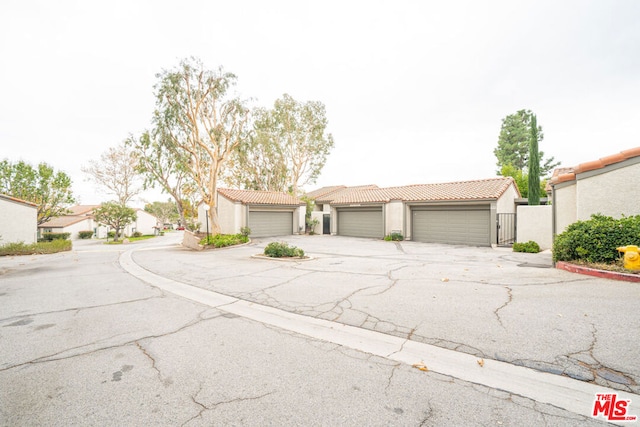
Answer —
611 408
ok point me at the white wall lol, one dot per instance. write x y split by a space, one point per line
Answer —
394 217
506 202
73 229
144 223
18 222
535 223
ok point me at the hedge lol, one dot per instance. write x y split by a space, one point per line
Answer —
280 250
48 237
529 247
596 239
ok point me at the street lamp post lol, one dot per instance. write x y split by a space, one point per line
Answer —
206 211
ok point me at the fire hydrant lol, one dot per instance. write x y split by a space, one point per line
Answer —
631 259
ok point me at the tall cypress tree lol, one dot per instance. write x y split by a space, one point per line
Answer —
534 164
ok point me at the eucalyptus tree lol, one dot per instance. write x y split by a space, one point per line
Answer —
160 164
288 147
204 124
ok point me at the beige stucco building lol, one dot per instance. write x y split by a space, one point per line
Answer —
608 186
462 212
266 213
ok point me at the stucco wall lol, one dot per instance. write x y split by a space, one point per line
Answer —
394 217
18 222
73 229
565 207
228 216
299 220
319 215
614 193
144 223
506 202
534 223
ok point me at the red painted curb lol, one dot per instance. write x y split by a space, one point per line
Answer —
627 277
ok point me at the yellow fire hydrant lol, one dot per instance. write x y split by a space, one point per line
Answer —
631 259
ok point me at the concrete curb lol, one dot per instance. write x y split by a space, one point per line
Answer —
557 390
285 259
604 274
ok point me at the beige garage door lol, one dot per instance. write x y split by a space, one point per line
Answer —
360 223
265 223
459 226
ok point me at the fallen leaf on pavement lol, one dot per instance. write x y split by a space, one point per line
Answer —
444 279
421 366
481 363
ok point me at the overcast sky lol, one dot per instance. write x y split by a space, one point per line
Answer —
415 91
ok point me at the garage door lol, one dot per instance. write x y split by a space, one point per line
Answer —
264 223
361 223
460 226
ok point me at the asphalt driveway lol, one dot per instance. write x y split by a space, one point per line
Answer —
491 303
152 333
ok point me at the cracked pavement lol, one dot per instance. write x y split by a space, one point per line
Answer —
77 331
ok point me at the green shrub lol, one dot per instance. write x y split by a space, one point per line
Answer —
396 237
596 240
136 234
111 234
22 248
48 237
85 234
245 231
223 240
282 249
529 247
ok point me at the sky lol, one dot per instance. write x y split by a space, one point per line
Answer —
415 91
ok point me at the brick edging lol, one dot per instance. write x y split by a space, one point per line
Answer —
605 274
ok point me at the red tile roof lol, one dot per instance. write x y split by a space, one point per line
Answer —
342 191
485 189
15 199
260 197
569 174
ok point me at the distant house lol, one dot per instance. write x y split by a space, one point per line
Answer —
608 186
266 213
462 213
80 218
145 223
18 220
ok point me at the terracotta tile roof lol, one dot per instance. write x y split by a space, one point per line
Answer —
323 191
82 209
63 221
15 199
253 197
342 191
569 174
486 189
